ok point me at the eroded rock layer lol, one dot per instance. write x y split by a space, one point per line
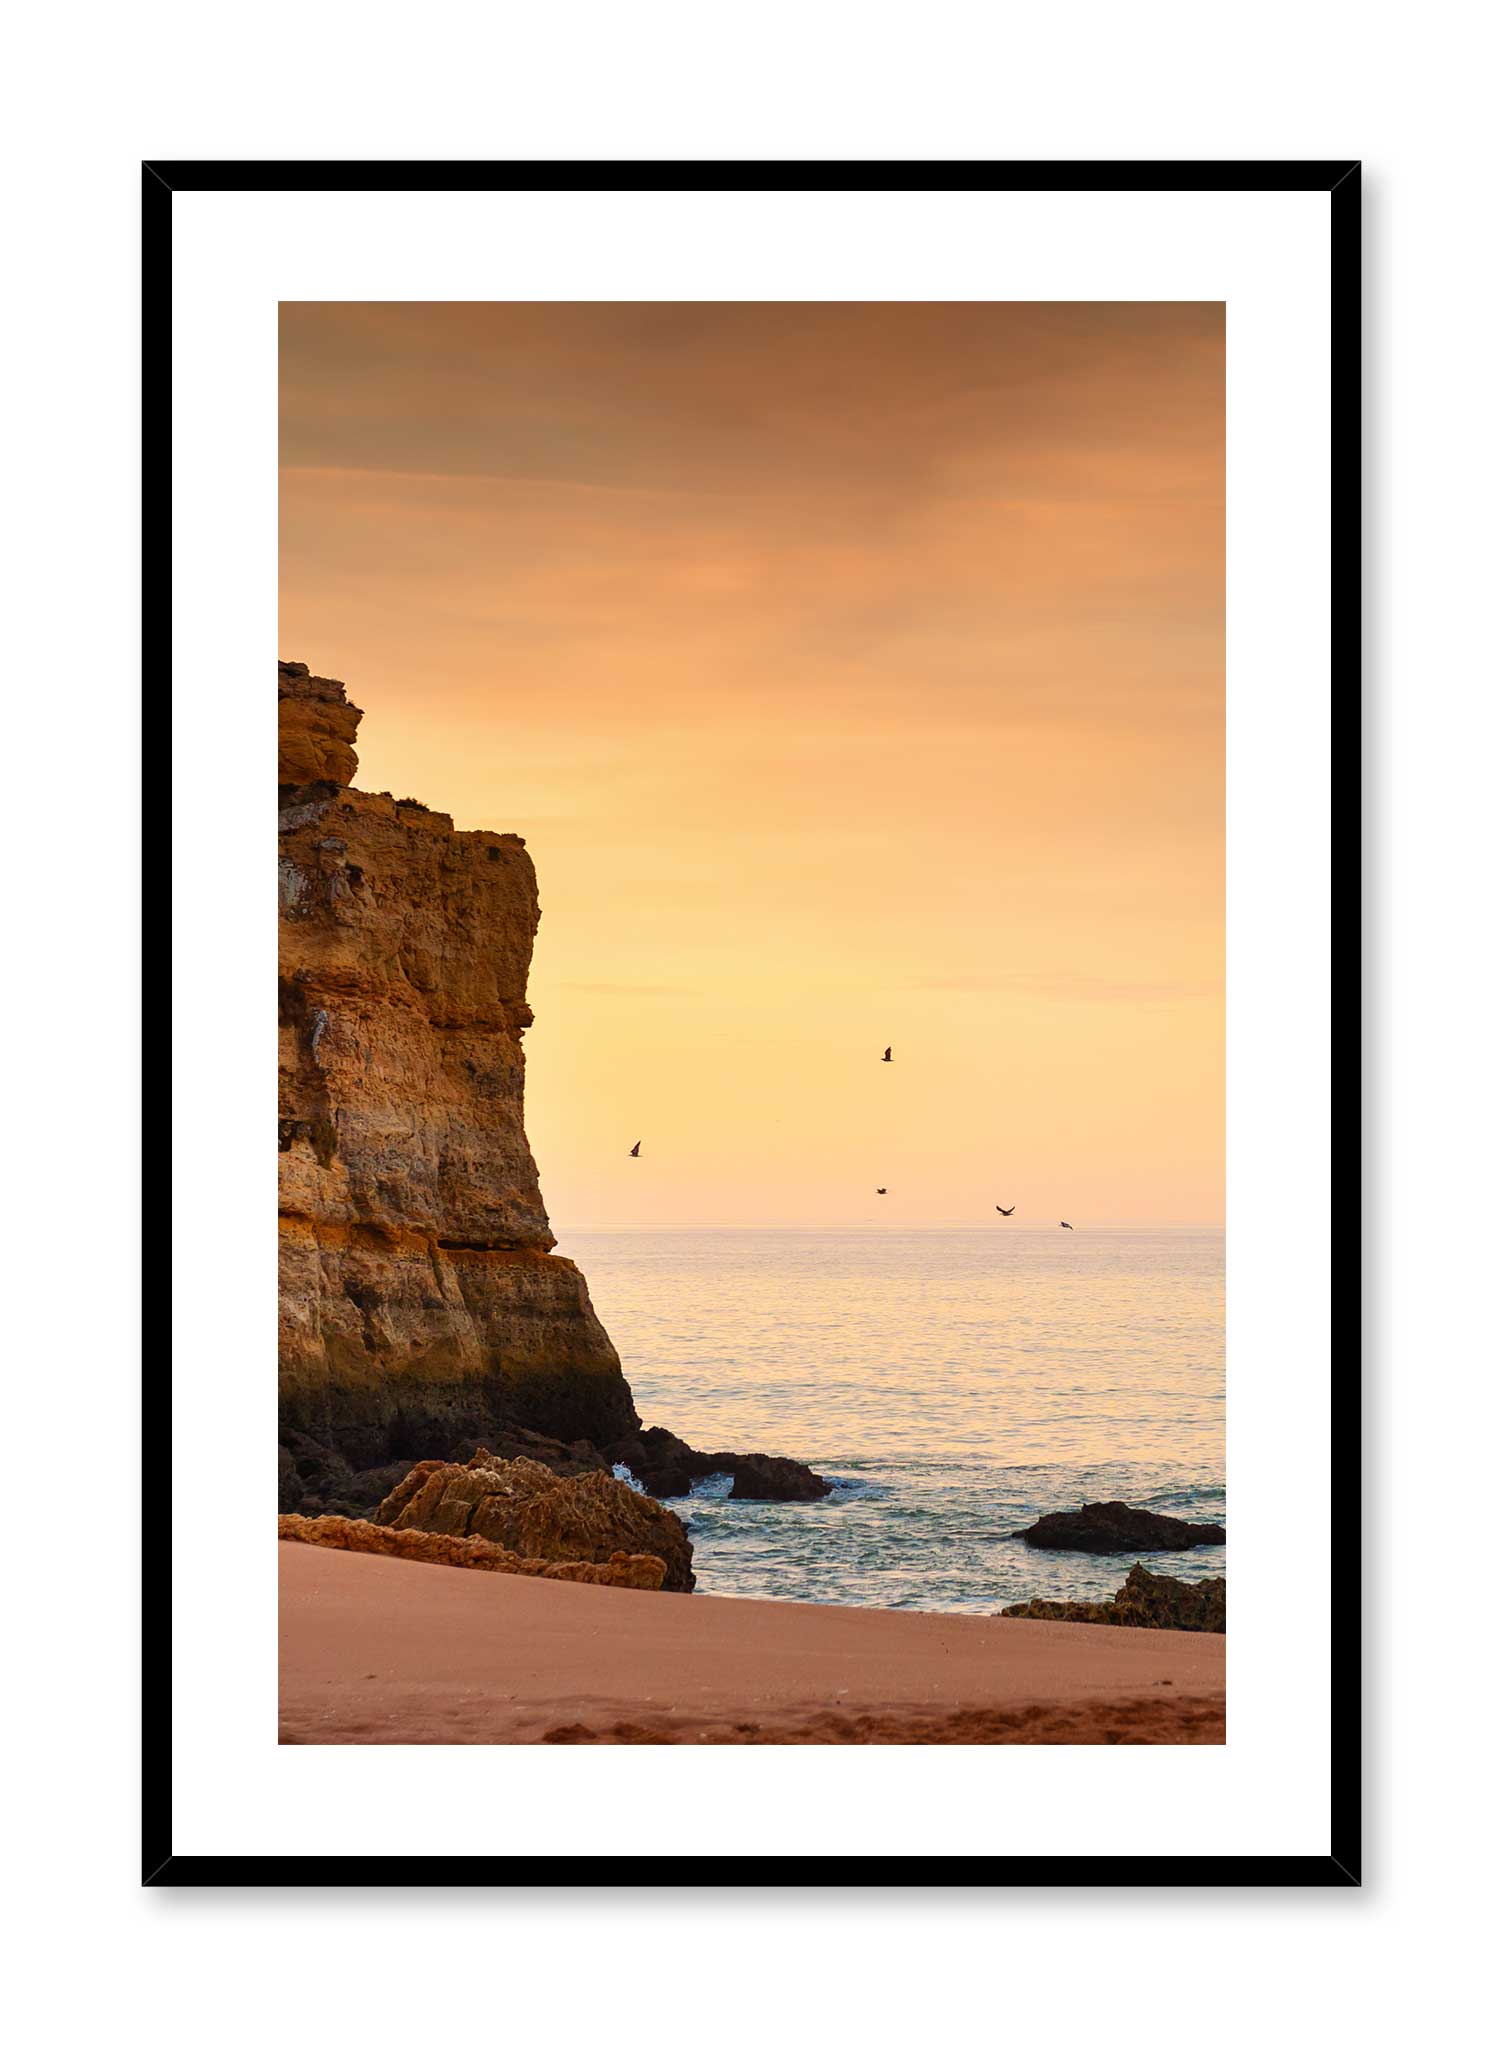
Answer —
468 1553
422 1308
1146 1600
526 1509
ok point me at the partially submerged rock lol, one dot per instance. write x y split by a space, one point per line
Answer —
1104 1526
668 1467
469 1553
522 1507
1147 1600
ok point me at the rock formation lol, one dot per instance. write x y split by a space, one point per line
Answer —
667 1466
1146 1600
522 1507
470 1553
421 1302
1104 1526
423 1310
315 729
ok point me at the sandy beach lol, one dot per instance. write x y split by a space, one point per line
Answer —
379 1650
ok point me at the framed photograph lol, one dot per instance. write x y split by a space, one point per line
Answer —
800 1260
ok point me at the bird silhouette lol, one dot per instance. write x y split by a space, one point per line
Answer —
1067 1226
881 1191
1004 1212
888 1054
636 1150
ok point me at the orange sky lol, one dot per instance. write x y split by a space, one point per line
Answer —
854 674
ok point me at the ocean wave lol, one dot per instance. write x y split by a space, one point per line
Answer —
847 1486
716 1486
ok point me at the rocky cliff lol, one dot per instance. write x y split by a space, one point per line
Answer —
423 1310
422 1306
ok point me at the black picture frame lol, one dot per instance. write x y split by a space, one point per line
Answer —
1341 178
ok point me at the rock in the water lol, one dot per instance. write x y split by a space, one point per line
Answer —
470 1553
522 1507
1146 1600
1103 1526
668 1467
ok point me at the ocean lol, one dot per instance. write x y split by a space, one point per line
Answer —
955 1383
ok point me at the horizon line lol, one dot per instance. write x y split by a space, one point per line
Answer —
1155 1223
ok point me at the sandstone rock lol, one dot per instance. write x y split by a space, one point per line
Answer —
421 1309
1146 1600
1104 1526
668 1467
521 1506
315 727
470 1553
566 1461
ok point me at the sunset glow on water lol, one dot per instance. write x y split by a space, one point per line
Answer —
957 1383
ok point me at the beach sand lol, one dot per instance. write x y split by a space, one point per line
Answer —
380 1650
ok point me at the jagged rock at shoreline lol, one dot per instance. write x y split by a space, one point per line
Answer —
1146 1600
470 1553
318 1481
667 1466
522 1507
423 1312
1105 1526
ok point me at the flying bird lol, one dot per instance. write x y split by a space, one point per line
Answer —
888 1054
1067 1226
881 1191
636 1150
1004 1212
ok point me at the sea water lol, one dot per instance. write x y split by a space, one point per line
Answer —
955 1384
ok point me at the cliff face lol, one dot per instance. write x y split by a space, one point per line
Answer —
422 1308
